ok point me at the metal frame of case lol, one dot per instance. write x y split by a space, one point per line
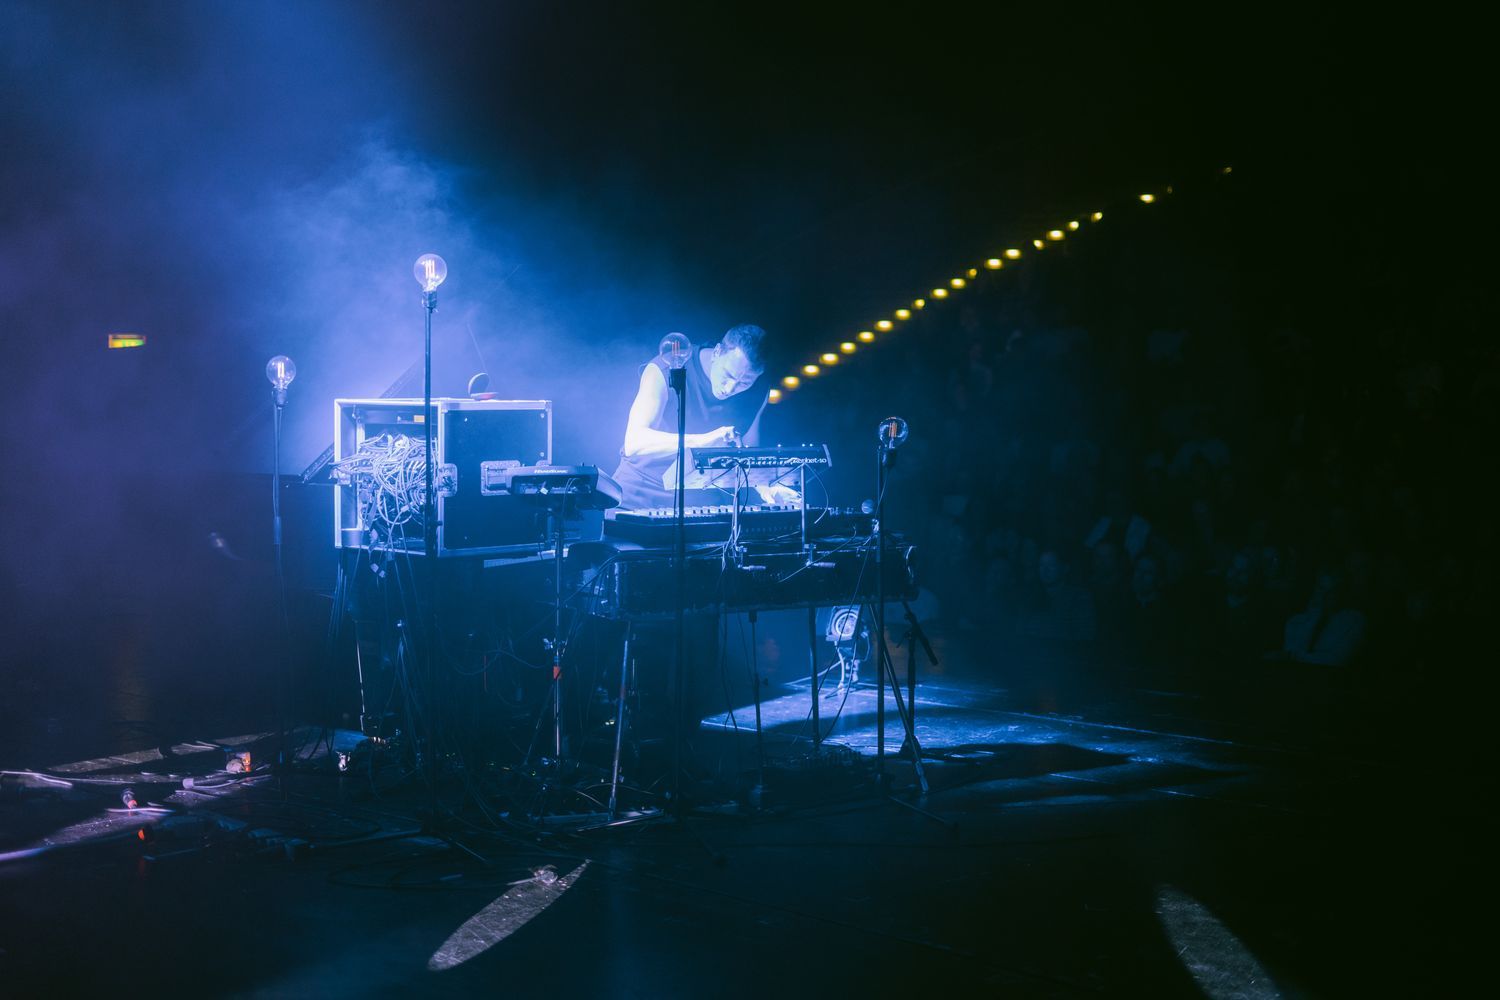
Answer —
349 426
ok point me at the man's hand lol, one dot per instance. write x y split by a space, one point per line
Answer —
779 495
724 437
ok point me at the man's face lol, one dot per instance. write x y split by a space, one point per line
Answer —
730 372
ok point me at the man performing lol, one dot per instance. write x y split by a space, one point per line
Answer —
723 410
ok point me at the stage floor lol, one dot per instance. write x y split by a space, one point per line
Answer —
1125 846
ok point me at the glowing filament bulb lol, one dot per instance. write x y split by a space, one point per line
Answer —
430 271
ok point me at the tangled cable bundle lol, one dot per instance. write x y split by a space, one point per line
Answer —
388 473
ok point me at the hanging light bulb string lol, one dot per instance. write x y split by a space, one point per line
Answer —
1009 257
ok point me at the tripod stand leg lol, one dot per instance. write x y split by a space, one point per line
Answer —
888 670
614 780
812 664
760 745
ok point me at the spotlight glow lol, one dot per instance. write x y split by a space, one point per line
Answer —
1096 216
973 272
1073 225
848 347
810 370
919 303
1039 244
866 336
1148 198
903 314
1054 234
958 282
994 263
940 293
829 359
791 381
774 396
1012 254
883 325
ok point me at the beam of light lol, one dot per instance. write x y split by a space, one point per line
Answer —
1218 962
513 910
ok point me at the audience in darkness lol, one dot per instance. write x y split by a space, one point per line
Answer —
1159 490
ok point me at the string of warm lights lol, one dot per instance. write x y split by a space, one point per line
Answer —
888 324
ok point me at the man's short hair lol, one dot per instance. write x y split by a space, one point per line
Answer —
747 337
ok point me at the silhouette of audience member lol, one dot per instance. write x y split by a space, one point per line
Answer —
1329 632
1061 610
1119 525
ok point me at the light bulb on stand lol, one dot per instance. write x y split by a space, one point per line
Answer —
892 433
430 270
280 371
675 349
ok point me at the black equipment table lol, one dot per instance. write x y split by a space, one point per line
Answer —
640 585
656 525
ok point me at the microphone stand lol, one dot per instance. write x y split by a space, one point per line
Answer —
430 555
886 457
677 379
278 398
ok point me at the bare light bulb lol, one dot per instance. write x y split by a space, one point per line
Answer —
430 271
279 372
675 349
892 432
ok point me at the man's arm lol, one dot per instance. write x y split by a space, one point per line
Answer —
644 441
